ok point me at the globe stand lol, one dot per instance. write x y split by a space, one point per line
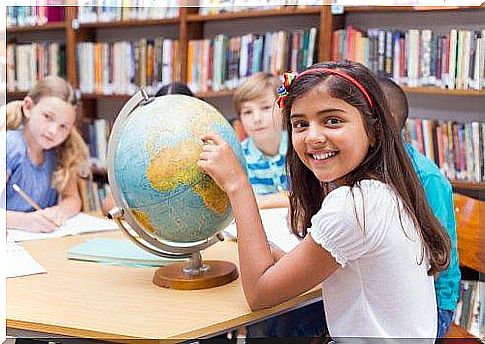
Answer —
195 274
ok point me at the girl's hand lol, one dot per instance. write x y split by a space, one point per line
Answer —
219 161
57 214
38 223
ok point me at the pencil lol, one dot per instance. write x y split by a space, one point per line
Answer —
32 203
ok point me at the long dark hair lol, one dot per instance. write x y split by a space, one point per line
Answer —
386 161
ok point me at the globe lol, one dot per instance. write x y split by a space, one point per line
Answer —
154 170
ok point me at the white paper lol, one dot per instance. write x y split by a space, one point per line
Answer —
80 223
20 262
276 228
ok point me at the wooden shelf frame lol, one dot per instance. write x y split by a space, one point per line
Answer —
443 91
53 26
250 14
409 90
364 9
466 185
130 23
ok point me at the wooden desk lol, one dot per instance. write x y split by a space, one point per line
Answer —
92 300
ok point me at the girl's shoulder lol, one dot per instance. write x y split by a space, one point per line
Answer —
15 134
15 140
367 188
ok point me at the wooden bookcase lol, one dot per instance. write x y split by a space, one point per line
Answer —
190 25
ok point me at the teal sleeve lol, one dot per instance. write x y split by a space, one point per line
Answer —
440 198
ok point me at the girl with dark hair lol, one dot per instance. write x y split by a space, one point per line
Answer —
368 235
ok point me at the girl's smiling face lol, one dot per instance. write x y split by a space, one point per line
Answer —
328 135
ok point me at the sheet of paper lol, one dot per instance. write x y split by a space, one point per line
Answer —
276 228
20 262
78 224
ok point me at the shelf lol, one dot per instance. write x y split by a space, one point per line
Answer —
364 9
409 90
253 14
443 91
212 94
464 185
125 97
130 23
46 27
95 96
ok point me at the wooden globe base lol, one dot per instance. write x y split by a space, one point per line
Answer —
173 276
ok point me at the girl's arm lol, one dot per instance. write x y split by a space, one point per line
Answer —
266 282
30 222
276 200
69 203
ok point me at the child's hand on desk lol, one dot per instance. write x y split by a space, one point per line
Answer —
57 214
38 223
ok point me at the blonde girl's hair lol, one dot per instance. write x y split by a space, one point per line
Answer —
72 154
253 87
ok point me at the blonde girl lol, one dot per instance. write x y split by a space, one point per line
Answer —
45 155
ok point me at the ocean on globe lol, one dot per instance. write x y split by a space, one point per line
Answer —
155 167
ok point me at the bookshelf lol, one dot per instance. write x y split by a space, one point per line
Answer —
189 25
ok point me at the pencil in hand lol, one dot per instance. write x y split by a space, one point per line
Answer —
33 204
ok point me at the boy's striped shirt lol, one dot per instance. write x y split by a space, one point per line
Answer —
267 174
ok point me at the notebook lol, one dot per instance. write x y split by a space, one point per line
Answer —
276 227
78 224
116 252
19 261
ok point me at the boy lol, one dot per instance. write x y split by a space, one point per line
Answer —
265 147
440 198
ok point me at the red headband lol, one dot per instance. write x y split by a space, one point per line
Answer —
286 86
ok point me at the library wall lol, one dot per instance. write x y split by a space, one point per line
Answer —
443 107
446 107
234 27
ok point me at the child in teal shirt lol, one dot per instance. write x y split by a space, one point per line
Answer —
439 194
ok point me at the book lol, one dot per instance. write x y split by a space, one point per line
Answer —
78 224
276 227
116 252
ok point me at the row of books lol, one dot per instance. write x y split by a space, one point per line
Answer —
96 134
453 60
119 10
27 63
224 62
121 67
457 148
210 7
470 311
92 194
35 15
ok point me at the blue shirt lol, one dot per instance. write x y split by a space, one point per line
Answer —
440 198
35 180
267 174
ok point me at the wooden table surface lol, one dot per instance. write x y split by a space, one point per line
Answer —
115 303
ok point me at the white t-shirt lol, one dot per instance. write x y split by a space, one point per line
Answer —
380 289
